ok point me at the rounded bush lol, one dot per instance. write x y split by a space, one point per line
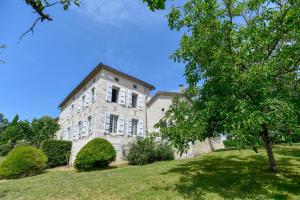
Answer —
23 161
164 151
98 153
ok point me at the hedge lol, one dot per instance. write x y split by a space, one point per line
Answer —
58 152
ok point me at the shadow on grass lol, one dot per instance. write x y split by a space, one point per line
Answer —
235 177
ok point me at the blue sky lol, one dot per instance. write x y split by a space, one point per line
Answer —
44 67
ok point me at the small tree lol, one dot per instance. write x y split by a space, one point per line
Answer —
43 128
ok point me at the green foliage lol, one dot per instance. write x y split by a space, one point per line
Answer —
23 161
5 148
17 130
43 128
230 143
3 122
145 151
242 66
57 151
97 153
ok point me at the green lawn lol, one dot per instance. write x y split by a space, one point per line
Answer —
229 174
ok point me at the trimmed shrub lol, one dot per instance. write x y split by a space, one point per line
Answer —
98 153
57 151
23 161
5 148
145 151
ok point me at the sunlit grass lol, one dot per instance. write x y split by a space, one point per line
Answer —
230 174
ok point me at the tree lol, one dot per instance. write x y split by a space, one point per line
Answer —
17 130
3 123
247 54
43 128
40 6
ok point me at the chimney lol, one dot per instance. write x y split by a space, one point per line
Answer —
181 88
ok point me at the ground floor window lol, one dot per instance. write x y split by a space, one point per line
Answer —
113 123
134 126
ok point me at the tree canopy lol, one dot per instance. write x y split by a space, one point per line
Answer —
242 66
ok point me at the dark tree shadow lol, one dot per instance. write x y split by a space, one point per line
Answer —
235 177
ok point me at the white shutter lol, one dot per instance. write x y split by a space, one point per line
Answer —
106 122
140 101
141 128
129 127
108 92
121 124
122 97
129 99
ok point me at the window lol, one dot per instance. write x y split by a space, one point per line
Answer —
134 100
93 94
113 123
90 125
69 133
134 126
80 129
115 94
83 102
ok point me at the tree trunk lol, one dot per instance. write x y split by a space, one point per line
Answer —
268 147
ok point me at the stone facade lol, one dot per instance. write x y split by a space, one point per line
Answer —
89 111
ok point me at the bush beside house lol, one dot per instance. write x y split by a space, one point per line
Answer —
145 151
23 161
98 153
57 151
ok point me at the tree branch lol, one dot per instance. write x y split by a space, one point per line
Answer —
30 29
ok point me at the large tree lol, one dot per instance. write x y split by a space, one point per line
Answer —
3 123
242 66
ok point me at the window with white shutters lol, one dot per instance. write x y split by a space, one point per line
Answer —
113 124
115 94
141 128
89 126
134 100
109 92
93 94
134 127
129 127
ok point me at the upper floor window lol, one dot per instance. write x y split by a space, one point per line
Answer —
80 128
90 125
93 90
115 94
113 124
134 100
83 101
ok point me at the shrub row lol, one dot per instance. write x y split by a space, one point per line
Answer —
145 151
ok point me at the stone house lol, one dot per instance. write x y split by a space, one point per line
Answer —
118 107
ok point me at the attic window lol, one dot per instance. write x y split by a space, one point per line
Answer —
94 80
116 79
163 110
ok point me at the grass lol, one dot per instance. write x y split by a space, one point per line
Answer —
227 174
